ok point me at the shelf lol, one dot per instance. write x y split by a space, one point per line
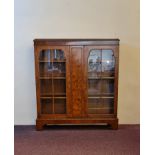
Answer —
52 94
50 74
55 78
52 61
59 97
100 78
100 61
44 78
101 108
53 97
96 97
103 94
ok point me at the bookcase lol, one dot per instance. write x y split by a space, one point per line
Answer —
76 81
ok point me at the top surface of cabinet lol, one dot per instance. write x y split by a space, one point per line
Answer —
76 41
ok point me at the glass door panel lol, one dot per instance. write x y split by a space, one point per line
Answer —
52 65
101 65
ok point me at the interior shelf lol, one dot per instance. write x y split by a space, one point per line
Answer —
52 94
99 78
52 61
52 78
101 94
59 97
99 74
102 108
100 61
53 97
96 97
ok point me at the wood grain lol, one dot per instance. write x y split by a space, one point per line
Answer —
76 79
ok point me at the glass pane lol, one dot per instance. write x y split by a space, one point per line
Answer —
52 62
93 102
60 105
59 86
94 87
108 63
58 54
94 63
45 62
107 105
100 106
46 69
59 69
50 55
107 87
101 66
45 55
46 86
46 106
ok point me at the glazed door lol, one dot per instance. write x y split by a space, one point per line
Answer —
53 74
101 69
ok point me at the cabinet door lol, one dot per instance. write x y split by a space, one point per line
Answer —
101 69
53 76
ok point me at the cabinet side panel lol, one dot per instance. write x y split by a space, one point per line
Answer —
116 53
76 80
36 54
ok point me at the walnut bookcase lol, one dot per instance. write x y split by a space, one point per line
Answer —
76 81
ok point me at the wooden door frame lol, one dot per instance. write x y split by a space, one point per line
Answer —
115 49
37 50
